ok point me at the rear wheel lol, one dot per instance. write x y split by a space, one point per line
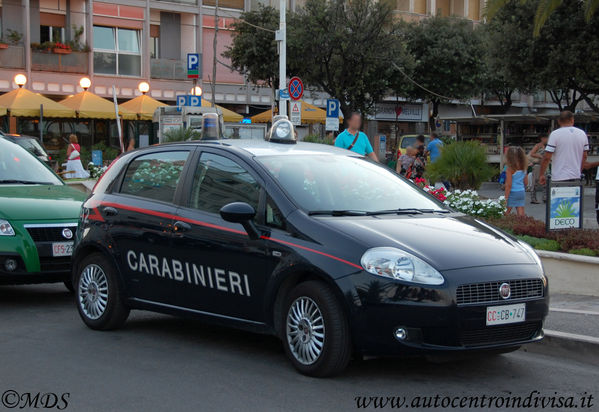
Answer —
98 294
316 330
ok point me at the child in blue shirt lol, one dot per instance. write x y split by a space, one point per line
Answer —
516 179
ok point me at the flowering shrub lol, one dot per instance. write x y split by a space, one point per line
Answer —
440 193
59 45
95 172
469 202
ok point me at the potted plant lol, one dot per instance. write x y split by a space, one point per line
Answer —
61 48
3 44
14 37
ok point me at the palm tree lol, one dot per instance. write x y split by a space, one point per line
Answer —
545 9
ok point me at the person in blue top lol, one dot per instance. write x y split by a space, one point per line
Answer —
516 179
355 140
434 147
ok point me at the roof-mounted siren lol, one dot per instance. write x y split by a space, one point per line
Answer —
211 127
282 131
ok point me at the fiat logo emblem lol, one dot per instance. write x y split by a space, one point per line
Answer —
67 233
505 291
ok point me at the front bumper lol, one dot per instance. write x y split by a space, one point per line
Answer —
432 317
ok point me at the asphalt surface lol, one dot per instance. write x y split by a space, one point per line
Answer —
574 314
161 363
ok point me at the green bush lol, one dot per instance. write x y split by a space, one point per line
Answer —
181 134
314 138
583 251
541 244
463 163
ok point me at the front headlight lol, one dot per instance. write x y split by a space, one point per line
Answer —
6 229
531 253
397 264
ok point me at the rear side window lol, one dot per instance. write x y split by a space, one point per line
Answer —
155 176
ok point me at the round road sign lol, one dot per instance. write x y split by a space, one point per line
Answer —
296 88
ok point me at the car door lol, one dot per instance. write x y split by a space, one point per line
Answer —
139 216
224 269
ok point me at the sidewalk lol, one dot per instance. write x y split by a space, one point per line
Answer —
493 191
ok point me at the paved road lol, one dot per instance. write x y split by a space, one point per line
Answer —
160 363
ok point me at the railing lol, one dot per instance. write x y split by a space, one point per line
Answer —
167 69
75 62
12 57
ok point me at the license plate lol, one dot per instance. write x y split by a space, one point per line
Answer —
500 315
62 249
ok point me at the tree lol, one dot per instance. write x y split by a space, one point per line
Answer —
346 49
449 60
543 11
254 49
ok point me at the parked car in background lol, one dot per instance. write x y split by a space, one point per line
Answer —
38 219
30 143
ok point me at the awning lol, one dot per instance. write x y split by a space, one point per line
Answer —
90 106
229 116
24 103
310 114
143 106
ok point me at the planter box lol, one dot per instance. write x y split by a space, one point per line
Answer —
74 62
571 274
3 46
61 51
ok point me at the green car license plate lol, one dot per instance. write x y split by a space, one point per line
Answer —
62 249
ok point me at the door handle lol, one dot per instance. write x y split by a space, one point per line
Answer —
110 211
181 226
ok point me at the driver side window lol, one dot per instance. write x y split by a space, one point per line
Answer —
218 181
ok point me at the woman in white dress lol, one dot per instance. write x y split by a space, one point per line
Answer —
75 169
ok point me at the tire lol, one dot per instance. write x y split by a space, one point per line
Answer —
315 330
98 294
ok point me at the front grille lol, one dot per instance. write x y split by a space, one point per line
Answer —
55 264
49 233
500 334
488 292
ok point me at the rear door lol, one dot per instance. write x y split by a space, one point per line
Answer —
224 270
139 217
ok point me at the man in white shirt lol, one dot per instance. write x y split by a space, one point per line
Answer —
567 148
590 165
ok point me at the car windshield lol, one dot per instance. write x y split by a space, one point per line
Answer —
31 144
342 185
18 166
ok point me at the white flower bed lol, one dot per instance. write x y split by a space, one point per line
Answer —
469 202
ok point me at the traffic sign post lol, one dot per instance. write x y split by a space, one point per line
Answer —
296 113
283 94
332 122
189 100
296 88
193 65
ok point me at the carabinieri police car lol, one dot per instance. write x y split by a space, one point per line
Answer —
332 253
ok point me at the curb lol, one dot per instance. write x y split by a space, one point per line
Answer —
581 348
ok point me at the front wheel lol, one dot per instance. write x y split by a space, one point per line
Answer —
316 330
98 294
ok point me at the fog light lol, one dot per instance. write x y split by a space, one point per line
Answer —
401 334
10 265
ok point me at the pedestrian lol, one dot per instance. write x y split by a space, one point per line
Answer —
536 157
434 147
590 165
406 160
516 180
131 145
355 140
567 150
75 169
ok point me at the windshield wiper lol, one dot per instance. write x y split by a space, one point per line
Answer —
406 211
23 182
337 212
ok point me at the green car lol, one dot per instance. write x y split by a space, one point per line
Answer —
38 219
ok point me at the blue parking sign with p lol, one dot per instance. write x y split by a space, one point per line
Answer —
188 100
332 108
193 64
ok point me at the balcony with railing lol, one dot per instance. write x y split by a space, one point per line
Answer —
12 57
168 69
73 62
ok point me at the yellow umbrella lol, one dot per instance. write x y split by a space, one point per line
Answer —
310 114
25 103
228 115
91 106
143 106
2 111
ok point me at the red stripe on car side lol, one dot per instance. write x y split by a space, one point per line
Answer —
210 225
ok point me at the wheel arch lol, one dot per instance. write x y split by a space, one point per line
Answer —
87 249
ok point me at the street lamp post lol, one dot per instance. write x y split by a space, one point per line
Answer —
281 37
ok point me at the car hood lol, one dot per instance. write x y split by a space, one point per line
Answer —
445 242
40 202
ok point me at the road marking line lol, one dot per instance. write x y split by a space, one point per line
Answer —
578 311
572 336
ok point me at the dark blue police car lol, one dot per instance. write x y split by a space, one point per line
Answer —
334 254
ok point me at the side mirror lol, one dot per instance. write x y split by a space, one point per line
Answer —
240 212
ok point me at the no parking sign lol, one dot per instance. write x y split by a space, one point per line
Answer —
296 88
